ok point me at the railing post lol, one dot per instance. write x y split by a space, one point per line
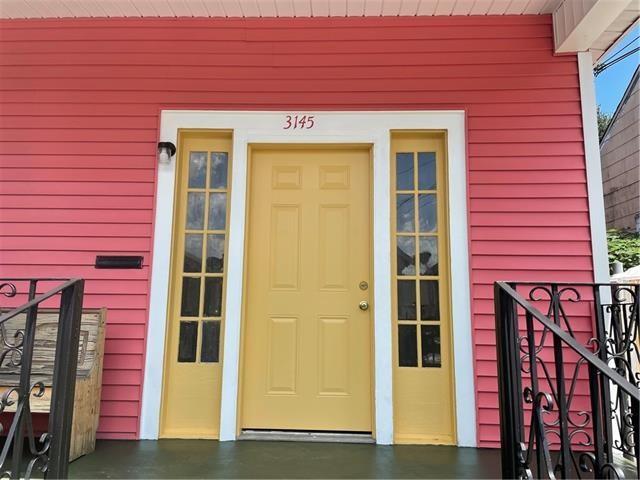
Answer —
604 385
26 359
509 383
566 462
596 411
635 421
64 380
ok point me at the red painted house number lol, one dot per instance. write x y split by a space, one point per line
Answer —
298 122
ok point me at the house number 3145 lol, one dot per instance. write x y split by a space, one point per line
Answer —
298 122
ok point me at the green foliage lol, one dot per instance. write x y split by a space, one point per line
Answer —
624 247
603 122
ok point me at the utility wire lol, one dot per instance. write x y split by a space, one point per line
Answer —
602 67
620 50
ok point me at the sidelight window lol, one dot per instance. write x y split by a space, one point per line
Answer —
417 272
203 266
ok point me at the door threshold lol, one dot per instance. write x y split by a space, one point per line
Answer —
293 436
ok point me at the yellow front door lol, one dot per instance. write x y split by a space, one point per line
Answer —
307 342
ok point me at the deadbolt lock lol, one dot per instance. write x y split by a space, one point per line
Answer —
363 285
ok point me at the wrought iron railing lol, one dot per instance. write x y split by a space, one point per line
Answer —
24 453
568 379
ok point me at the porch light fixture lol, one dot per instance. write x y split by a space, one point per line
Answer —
166 150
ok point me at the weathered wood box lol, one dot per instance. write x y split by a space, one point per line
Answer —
86 411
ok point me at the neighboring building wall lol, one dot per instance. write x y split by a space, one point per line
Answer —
620 156
80 103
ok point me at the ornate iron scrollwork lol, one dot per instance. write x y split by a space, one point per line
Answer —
45 453
573 416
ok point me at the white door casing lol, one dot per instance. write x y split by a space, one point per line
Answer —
328 127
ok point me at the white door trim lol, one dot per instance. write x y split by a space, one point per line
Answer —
330 127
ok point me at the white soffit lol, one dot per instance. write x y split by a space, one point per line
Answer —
269 8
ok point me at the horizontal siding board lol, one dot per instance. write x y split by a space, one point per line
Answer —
78 174
524 108
528 135
529 219
526 162
29 215
211 72
159 58
75 243
75 148
515 122
121 377
76 188
71 124
175 45
79 124
35 257
529 248
123 361
359 94
90 160
528 177
285 85
126 331
116 409
530 205
70 271
70 201
528 190
77 135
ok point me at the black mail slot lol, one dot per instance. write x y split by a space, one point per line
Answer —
118 261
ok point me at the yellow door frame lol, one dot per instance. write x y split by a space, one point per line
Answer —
407 392
210 140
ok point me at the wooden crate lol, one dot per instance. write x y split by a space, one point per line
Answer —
86 409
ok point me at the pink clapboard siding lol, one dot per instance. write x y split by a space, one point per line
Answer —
80 102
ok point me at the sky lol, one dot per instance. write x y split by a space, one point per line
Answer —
611 84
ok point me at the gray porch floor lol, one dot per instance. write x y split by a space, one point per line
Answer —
264 459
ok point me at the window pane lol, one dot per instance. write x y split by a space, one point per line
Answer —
407 346
197 169
190 297
428 212
195 211
215 253
187 341
217 211
404 171
210 342
407 300
430 342
405 213
426 170
406 255
219 166
213 297
428 256
193 252
429 300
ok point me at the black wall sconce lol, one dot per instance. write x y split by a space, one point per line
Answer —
166 150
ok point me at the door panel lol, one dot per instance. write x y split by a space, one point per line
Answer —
307 345
192 380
